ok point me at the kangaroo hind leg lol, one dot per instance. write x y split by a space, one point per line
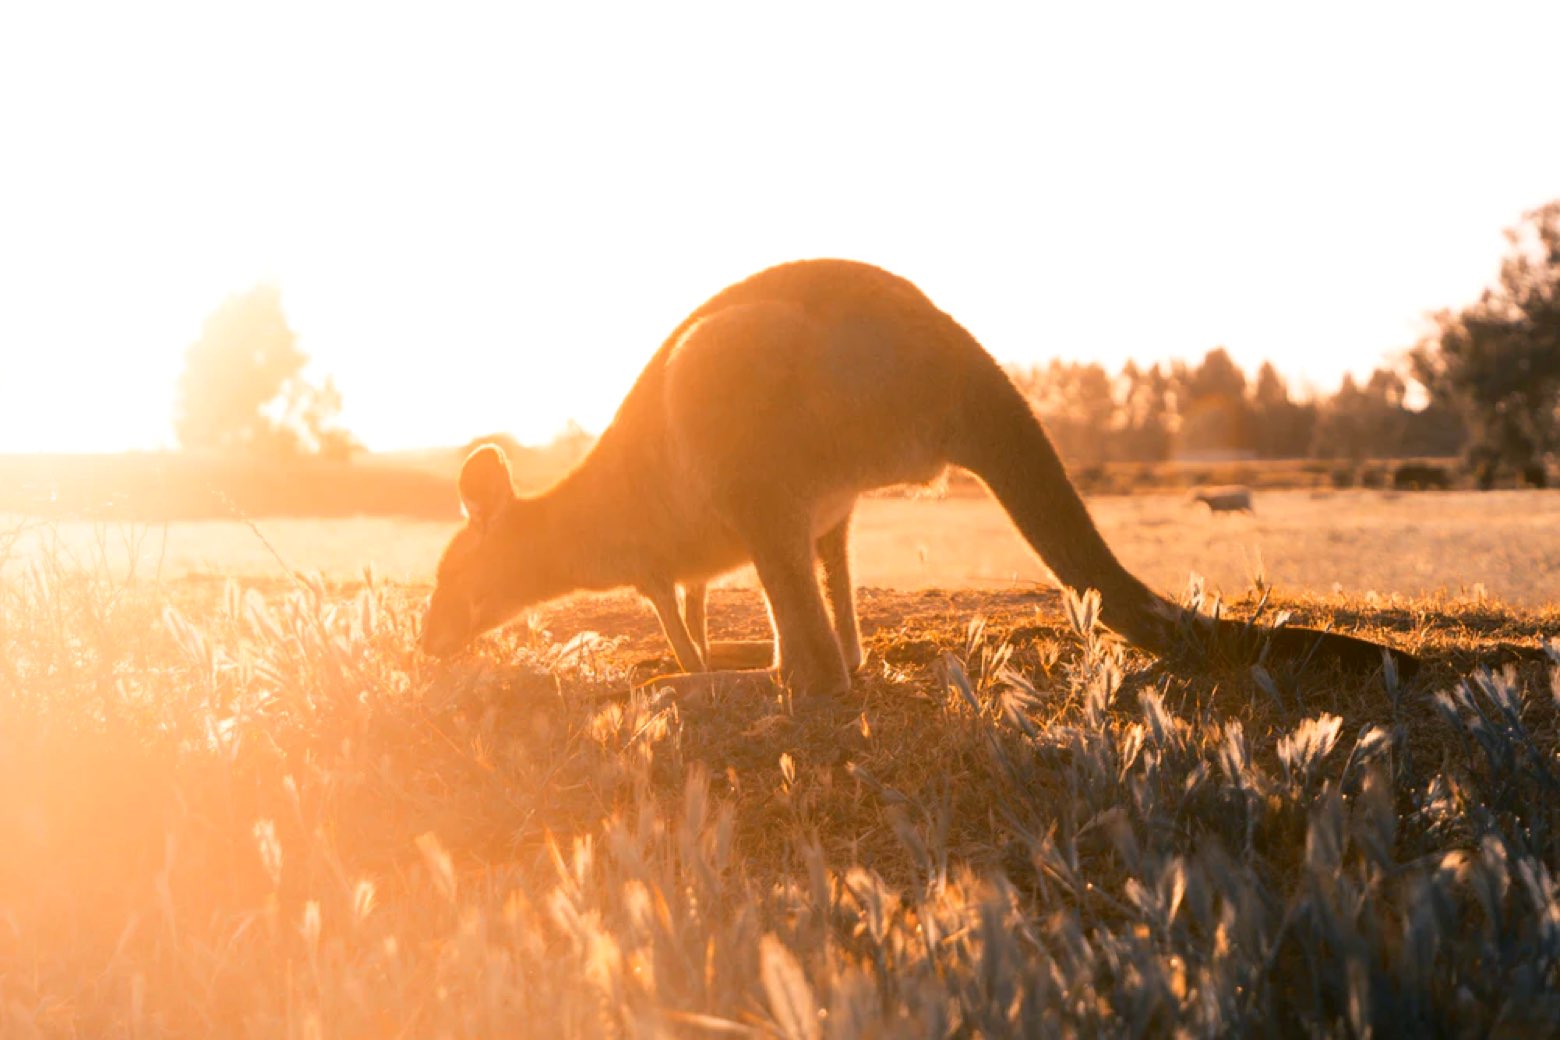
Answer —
834 553
809 655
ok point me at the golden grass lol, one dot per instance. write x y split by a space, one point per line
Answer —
253 809
1504 545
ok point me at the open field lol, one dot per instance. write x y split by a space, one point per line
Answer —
249 807
1356 542
153 486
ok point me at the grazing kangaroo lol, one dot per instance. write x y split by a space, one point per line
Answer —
749 437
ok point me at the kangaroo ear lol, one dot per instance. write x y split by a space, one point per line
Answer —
484 484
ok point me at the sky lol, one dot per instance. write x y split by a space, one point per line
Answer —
487 217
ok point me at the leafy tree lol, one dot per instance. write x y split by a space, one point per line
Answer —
1363 422
1076 402
1498 360
1282 428
1217 377
1435 430
1340 432
242 389
1146 423
1214 416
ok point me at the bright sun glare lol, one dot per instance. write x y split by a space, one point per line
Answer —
486 220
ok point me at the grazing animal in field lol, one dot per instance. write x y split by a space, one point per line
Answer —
1419 476
750 435
1227 498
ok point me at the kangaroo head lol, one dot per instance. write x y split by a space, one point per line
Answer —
483 578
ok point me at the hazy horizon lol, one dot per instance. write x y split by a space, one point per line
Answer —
1300 390
488 220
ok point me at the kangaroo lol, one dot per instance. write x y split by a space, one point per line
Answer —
750 435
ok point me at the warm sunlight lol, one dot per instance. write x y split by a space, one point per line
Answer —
488 220
1093 571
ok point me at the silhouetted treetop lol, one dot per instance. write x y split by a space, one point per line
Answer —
242 388
1497 362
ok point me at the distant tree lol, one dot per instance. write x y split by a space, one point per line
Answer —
1435 431
1498 361
1363 422
1146 416
1214 415
1076 403
1339 429
1281 428
242 389
1217 377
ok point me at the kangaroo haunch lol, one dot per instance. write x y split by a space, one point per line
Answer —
749 437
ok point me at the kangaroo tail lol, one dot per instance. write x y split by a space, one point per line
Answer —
1000 441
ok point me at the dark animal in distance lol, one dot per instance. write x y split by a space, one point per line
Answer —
1420 476
1227 498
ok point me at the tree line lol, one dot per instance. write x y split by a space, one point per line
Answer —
1212 411
1490 372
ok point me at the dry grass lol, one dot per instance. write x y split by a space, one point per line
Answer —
253 809
1451 545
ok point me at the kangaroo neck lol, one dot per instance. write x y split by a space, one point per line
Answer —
586 524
